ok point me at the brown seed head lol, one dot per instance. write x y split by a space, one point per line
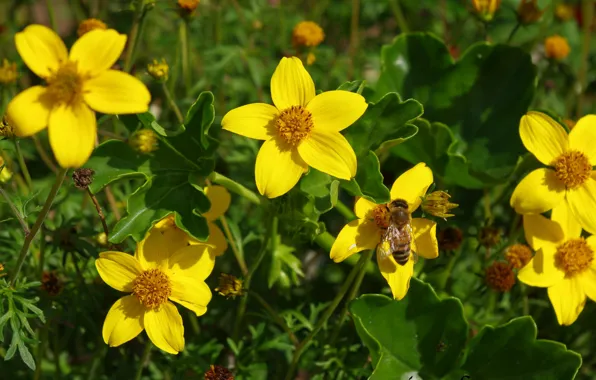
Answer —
217 372
489 236
500 277
450 238
229 286
187 8
518 255
90 24
51 284
528 12
82 178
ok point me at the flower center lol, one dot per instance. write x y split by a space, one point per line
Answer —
574 256
572 168
381 216
65 85
294 124
152 288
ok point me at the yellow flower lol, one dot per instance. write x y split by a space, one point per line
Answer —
365 232
569 181
528 12
556 47
164 268
307 33
159 70
144 141
5 173
564 11
90 24
564 263
8 72
77 84
301 130
486 8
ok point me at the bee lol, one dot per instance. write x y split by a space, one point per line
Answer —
397 239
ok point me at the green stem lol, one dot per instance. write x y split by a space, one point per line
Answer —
399 16
192 317
345 211
234 245
321 322
38 222
97 360
325 241
135 33
22 163
183 35
235 187
275 317
172 103
42 252
354 36
16 212
587 16
51 15
144 359
513 31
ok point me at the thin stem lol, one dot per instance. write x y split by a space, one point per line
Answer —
345 210
112 203
399 16
325 241
45 157
186 74
275 317
340 295
42 252
51 14
22 163
487 207
144 359
38 222
353 292
16 212
234 245
99 212
235 187
135 32
97 360
582 77
354 36
513 31
172 103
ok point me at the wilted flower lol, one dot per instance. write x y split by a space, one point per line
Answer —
8 72
373 220
568 181
51 284
217 372
302 130
485 9
489 236
164 268
500 277
437 204
159 70
144 141
528 12
564 263
230 286
450 238
307 33
518 255
556 47
90 24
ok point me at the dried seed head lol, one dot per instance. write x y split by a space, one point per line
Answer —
229 286
90 24
489 236
500 277
51 284
518 255
217 372
82 178
450 238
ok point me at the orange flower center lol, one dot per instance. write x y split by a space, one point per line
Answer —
152 288
572 168
65 85
518 255
294 124
500 277
381 216
90 24
574 256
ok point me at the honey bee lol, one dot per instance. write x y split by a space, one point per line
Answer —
397 239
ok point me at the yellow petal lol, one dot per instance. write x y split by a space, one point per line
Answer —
538 192
425 238
583 136
591 240
335 110
41 48
362 207
220 199
115 92
582 202
277 169
356 236
217 240
568 299
541 232
397 276
252 120
97 51
412 185
291 84
191 293
194 261
118 269
330 153
569 225
123 322
588 282
155 250
164 328
29 111
542 136
72 131
541 270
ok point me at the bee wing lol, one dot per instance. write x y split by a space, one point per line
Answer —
393 236
413 244
384 249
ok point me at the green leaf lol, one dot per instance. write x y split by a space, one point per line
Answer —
26 356
511 351
322 188
368 182
481 97
284 265
417 334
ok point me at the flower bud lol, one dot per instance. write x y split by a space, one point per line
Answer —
307 33
6 129
556 47
450 238
229 286
159 70
437 204
187 8
8 72
485 9
90 24
144 141
528 12
5 173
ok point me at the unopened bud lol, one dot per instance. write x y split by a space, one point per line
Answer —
528 12
159 70
8 72
144 141
5 173
187 8
229 286
6 128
